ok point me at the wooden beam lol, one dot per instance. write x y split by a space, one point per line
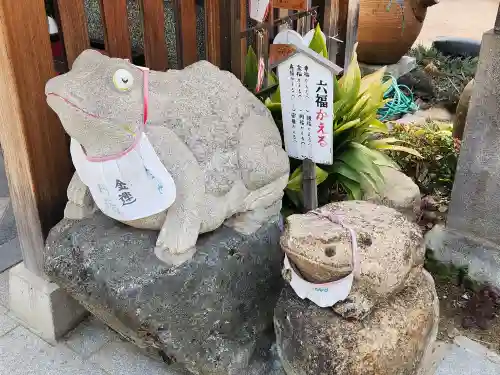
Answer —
225 37
116 33
155 45
213 31
238 18
34 143
73 21
330 27
352 30
348 30
186 31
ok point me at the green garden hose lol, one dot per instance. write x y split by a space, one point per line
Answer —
401 103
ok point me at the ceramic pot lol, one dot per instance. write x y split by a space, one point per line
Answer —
388 29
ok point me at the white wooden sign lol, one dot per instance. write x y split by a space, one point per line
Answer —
258 9
307 104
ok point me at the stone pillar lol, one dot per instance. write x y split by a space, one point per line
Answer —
472 235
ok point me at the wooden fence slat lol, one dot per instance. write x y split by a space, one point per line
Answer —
352 30
348 16
186 18
330 27
155 46
243 25
238 12
117 37
213 31
225 38
74 27
35 146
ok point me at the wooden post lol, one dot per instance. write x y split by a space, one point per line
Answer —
75 33
213 31
348 30
238 21
34 143
186 31
155 45
309 188
330 28
116 33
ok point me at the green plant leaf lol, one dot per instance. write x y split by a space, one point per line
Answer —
273 107
408 150
352 188
251 70
318 42
343 169
347 126
295 181
276 96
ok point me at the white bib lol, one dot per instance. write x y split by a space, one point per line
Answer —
327 294
131 186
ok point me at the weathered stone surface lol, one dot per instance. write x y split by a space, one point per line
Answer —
462 111
391 341
402 67
390 247
437 114
399 192
475 201
210 314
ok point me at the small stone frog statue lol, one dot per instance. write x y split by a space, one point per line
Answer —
182 152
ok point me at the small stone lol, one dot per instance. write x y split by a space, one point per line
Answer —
465 296
443 209
454 332
399 192
432 69
429 216
429 203
468 322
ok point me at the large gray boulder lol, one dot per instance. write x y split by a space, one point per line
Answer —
391 341
213 315
399 192
390 249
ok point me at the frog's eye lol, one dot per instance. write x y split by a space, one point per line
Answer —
123 80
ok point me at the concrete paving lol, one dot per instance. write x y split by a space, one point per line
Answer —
458 18
467 357
90 349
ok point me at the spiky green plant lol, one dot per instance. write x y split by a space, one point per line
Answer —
359 144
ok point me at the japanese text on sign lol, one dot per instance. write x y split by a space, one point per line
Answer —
307 105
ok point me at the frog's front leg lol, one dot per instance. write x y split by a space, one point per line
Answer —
80 202
177 239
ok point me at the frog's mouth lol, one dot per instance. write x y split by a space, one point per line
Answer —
69 103
145 71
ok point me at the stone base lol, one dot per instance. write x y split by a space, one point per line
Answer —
481 257
212 315
404 66
41 305
396 339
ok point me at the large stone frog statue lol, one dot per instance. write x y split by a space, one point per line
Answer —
214 145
